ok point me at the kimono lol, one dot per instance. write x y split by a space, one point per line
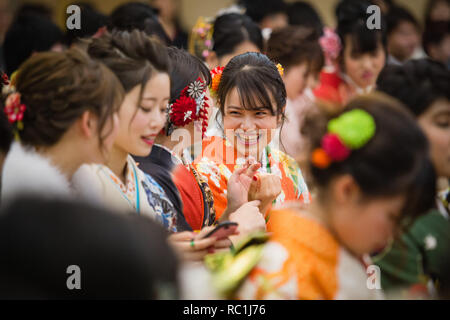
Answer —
213 166
335 89
141 193
25 171
419 259
303 261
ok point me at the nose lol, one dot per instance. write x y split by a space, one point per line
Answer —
157 119
366 62
248 123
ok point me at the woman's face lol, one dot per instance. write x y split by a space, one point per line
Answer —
250 131
295 80
141 121
403 40
435 122
364 68
368 226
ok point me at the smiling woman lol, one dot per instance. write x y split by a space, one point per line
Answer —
142 66
251 99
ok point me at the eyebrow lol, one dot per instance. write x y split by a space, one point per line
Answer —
253 109
153 99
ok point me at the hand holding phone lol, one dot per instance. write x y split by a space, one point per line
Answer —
223 230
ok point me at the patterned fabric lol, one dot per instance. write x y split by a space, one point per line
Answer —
140 192
160 203
208 197
304 261
212 167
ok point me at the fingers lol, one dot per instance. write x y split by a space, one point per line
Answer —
204 232
252 169
254 203
220 244
181 236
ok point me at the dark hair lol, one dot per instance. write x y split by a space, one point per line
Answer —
232 29
430 5
391 163
257 81
132 56
396 16
304 14
91 21
57 88
36 9
435 32
6 136
351 20
184 69
259 9
416 83
294 45
27 34
119 256
137 15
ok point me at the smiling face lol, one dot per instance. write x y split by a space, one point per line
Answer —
141 121
363 68
250 131
435 122
403 41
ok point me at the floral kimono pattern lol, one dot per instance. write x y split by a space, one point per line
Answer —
304 261
140 192
213 167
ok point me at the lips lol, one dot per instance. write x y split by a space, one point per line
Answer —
149 140
247 139
367 75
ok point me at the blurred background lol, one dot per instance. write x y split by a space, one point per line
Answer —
190 10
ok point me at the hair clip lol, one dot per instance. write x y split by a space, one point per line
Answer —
350 131
331 45
216 76
280 69
200 41
14 108
190 106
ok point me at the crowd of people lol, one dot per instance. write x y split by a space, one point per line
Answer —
262 155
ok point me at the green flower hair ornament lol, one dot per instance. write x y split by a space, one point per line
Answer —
355 128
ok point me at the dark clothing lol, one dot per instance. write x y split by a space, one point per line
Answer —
159 166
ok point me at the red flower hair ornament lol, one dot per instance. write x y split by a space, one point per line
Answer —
14 108
190 106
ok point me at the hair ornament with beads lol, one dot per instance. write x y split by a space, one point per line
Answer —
191 106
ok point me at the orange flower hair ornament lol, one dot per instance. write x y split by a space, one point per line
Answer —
14 108
280 69
191 106
216 76
350 131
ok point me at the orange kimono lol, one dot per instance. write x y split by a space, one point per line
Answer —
303 260
219 159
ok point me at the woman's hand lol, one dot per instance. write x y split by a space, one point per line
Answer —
239 185
191 246
249 219
265 187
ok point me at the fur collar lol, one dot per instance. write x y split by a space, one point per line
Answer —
26 171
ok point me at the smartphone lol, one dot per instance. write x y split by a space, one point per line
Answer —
223 230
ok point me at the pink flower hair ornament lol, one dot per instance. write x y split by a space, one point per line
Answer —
14 108
331 45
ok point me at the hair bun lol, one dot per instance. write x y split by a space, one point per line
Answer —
351 10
